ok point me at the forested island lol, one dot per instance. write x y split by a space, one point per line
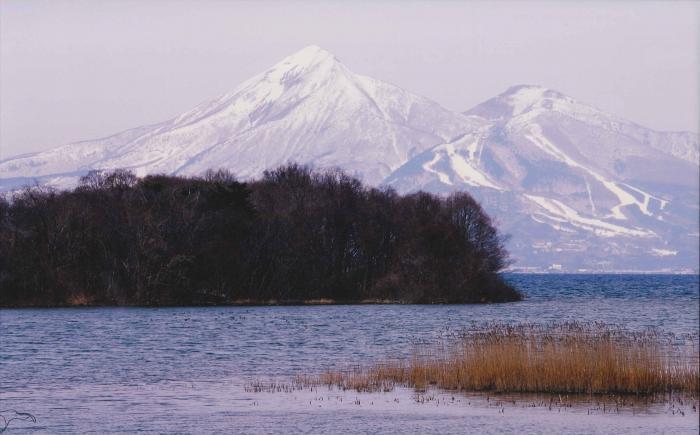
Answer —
293 236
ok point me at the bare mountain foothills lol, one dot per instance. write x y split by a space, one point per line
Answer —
576 189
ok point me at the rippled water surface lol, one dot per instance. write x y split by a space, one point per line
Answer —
184 369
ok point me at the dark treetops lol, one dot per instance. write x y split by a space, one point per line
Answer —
293 236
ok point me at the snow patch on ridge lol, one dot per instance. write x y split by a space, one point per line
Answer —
624 198
462 156
663 252
466 171
559 212
444 178
523 97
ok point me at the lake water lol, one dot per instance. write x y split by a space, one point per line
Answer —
185 369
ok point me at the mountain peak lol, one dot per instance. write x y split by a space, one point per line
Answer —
307 56
523 87
521 99
527 95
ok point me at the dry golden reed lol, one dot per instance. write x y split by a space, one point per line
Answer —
565 358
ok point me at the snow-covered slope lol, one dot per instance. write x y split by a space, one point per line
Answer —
307 108
570 182
573 185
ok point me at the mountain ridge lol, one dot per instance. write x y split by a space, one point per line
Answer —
307 97
600 182
553 169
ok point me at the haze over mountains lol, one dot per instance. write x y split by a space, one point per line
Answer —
576 188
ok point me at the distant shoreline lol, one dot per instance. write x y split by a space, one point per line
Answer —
608 272
246 303
325 301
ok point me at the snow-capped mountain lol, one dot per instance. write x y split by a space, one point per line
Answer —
307 108
571 184
574 186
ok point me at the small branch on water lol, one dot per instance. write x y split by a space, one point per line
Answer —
21 416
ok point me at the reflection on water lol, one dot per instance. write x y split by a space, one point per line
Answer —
184 369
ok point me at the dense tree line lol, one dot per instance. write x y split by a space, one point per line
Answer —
294 235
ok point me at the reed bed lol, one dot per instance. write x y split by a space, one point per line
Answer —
568 358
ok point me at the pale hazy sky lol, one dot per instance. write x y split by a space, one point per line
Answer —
74 70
